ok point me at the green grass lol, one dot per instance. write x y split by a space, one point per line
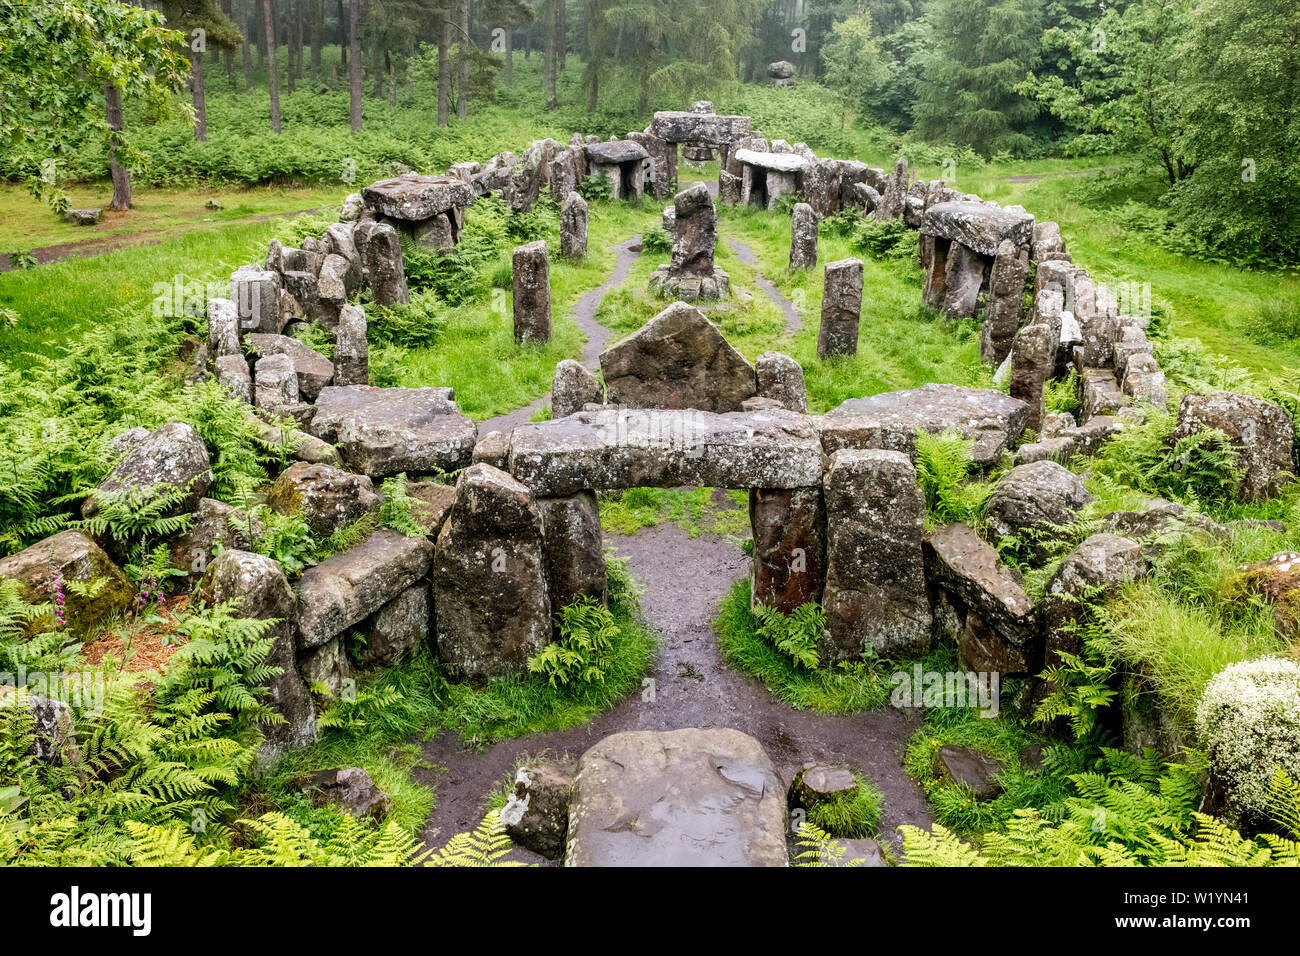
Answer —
844 689
691 509
850 816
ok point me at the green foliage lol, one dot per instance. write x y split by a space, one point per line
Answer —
815 847
656 241
1080 684
1203 467
943 465
1277 319
796 635
582 654
1131 812
487 845
286 539
594 187
853 815
399 508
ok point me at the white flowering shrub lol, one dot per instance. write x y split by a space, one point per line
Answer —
1249 723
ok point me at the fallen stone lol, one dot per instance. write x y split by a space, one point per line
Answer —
216 525
1032 501
314 371
329 499
574 386
677 798
69 556
1261 431
536 814
957 559
351 790
969 768
173 456
234 376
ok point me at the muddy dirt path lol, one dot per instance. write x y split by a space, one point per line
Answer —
584 313
685 578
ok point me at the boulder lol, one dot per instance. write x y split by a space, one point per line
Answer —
889 420
789 528
875 579
536 814
396 630
351 790
679 359
328 498
385 431
677 798
780 70
490 593
216 524
493 449
53 729
1158 522
574 387
616 448
173 456
1031 500
780 378
1261 431
841 309
1276 582
575 556
803 237
259 586
344 590
69 556
275 384
314 371
532 293
970 768
83 217
817 785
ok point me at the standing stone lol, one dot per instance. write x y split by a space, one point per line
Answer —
234 377
223 328
893 192
841 309
875 592
573 387
381 257
532 288
263 592
695 231
963 279
351 351
573 227
803 237
275 383
789 526
1033 357
1006 291
256 294
780 378
575 556
564 176
490 593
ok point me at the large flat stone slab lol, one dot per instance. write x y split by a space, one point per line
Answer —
666 448
414 198
781 162
384 431
681 126
978 226
677 798
889 420
616 151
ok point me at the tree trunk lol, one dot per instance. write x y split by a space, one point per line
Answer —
248 52
317 27
200 103
444 68
270 62
562 31
298 36
510 55
378 69
121 175
343 47
392 79
290 69
595 89
228 55
462 91
354 45
550 54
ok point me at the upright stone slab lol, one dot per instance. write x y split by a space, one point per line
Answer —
532 288
256 294
381 257
351 350
1006 290
679 359
262 591
875 577
1033 356
275 383
573 227
963 279
695 230
490 591
780 378
803 237
574 387
223 328
841 309
575 555
789 526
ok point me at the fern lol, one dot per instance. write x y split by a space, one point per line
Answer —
584 652
943 466
399 509
487 845
795 635
815 847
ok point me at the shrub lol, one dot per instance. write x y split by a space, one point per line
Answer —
657 240
583 652
1249 722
